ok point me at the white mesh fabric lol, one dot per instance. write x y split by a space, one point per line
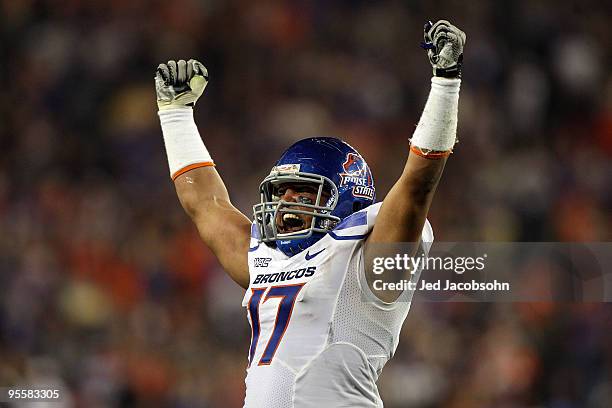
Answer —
339 376
371 326
269 387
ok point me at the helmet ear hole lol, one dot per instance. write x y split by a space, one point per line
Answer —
357 207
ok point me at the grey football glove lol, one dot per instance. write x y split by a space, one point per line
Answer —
180 84
444 44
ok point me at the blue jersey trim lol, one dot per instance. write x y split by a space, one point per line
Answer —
254 231
354 220
347 237
254 248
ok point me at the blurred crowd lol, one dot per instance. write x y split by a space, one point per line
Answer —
105 287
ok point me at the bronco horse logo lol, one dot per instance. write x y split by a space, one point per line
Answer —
353 165
356 172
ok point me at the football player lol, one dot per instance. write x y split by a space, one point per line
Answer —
320 334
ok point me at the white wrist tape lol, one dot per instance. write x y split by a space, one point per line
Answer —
184 146
437 129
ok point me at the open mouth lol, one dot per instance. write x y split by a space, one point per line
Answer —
290 223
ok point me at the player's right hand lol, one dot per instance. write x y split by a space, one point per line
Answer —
180 84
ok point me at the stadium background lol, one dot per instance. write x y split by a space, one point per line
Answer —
104 285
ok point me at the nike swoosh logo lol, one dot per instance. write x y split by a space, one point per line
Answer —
309 257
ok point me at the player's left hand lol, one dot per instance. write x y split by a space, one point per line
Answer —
444 44
179 84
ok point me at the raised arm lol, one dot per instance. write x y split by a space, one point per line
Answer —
199 187
404 210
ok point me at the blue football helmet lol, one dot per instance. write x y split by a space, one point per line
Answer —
342 179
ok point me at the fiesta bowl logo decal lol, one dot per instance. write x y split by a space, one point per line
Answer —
356 173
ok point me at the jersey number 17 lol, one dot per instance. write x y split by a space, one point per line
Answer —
288 294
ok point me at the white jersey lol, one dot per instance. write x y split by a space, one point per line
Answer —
316 340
